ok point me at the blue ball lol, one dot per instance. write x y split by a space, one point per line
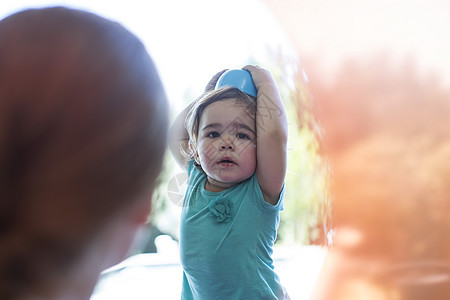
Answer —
237 78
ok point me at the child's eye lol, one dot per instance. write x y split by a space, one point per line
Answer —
213 134
243 136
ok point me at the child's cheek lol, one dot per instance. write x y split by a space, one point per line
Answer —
207 152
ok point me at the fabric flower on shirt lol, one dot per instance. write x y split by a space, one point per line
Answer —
220 209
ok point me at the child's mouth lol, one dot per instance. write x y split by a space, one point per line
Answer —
226 162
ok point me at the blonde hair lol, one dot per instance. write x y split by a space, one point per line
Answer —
248 104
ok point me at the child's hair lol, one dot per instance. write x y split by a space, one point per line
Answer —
83 120
247 102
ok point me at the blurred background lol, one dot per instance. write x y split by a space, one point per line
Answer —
366 88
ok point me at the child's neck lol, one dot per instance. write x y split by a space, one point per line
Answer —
215 186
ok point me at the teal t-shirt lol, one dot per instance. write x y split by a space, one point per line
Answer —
226 241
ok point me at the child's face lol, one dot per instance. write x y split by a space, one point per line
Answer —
226 147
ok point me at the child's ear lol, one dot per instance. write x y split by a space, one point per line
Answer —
194 151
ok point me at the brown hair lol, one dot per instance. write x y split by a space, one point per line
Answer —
83 119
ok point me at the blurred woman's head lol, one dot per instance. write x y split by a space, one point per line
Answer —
83 120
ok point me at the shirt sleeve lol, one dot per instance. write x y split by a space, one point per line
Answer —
267 207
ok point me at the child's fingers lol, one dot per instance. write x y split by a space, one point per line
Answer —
259 75
252 68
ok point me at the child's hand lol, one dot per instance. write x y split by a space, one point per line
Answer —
261 77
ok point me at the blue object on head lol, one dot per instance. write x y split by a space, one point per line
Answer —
237 78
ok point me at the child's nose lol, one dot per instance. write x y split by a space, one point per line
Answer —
226 143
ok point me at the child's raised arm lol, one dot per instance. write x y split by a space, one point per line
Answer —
271 132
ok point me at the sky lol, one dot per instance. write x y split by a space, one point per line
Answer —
192 40
415 30
189 41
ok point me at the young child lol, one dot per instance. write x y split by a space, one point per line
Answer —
236 164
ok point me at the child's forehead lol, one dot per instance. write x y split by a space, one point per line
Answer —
226 113
225 107
233 104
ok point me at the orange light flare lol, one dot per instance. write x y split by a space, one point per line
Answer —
388 137
378 79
